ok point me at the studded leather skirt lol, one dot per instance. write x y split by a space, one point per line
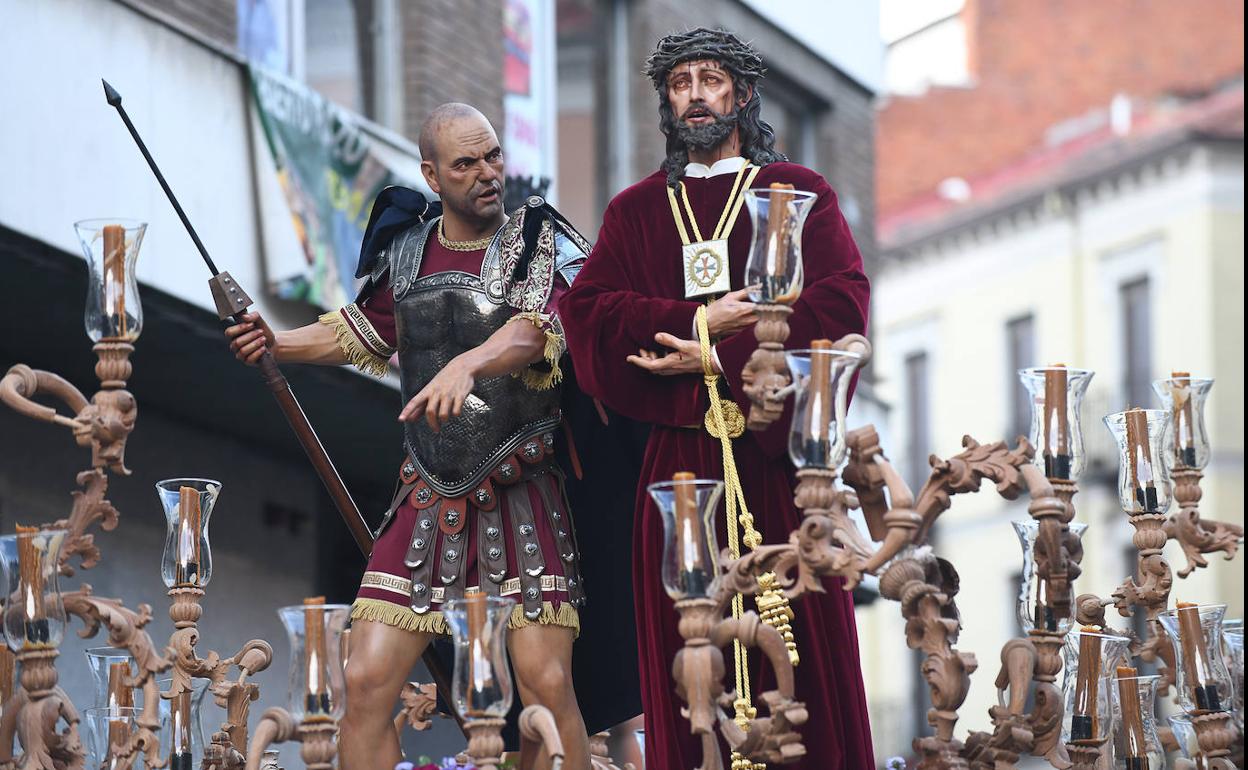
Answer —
511 536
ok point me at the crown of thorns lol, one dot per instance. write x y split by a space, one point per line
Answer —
741 60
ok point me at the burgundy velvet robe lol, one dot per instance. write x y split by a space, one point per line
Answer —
630 289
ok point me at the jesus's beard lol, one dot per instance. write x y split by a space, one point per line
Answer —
707 136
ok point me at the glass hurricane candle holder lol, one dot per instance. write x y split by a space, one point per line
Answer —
1233 639
111 247
107 731
821 378
1185 735
182 731
1136 743
690 545
1204 683
1091 660
481 683
111 669
1034 610
774 268
1183 397
34 614
1056 430
1143 438
188 503
317 682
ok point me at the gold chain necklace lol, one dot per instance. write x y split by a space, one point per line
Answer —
447 243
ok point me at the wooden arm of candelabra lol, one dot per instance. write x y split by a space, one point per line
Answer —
315 736
772 738
539 736
699 672
1198 536
102 423
418 705
276 726
600 757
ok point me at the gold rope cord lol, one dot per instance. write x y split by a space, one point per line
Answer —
738 515
727 218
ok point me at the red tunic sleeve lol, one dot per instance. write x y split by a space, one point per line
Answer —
833 303
365 328
606 319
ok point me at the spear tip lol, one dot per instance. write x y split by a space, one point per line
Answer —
111 94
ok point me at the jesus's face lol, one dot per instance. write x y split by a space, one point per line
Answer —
704 103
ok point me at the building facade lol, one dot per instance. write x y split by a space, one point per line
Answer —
1120 251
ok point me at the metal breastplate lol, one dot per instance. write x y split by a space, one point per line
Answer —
438 317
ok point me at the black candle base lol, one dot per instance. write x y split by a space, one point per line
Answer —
181 761
37 631
695 582
1080 728
1147 498
1207 698
315 703
1057 467
1189 456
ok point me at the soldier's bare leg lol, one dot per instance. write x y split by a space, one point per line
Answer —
380 659
542 658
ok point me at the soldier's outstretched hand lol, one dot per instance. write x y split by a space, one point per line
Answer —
443 398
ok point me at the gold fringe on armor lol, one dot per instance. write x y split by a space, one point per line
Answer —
565 616
434 622
360 357
536 379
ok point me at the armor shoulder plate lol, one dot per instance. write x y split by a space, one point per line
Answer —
406 250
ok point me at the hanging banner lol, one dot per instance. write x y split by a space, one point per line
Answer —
329 175
528 96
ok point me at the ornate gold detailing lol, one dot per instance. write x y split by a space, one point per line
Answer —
734 421
774 609
447 243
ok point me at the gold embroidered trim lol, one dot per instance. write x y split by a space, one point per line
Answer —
434 622
352 346
536 379
384 581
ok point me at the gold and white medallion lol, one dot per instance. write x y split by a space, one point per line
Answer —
706 268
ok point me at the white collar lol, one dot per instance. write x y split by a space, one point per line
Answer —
722 166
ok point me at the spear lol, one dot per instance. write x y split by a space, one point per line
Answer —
232 301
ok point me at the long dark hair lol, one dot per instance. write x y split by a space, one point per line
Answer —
743 63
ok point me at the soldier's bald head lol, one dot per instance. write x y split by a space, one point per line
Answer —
443 118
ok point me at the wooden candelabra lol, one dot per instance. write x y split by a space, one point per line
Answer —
828 543
40 714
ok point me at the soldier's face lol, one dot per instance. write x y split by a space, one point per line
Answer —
467 173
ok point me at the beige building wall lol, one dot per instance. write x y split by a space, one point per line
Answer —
1175 218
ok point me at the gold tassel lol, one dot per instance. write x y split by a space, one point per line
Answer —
359 356
535 379
775 611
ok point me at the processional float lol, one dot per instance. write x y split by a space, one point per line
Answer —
138 720
1103 711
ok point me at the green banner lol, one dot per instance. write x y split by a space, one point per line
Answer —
329 177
